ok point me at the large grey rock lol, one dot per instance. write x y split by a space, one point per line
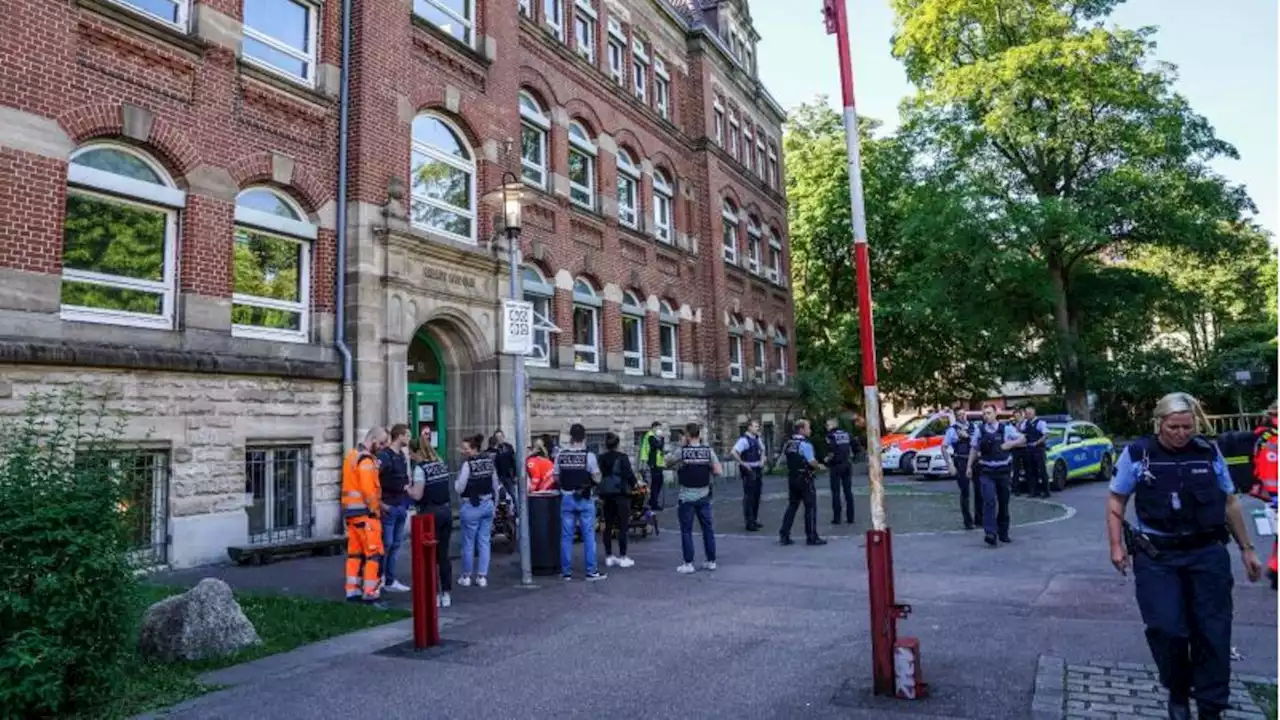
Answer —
206 621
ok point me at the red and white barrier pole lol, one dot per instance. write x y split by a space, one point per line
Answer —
426 579
885 611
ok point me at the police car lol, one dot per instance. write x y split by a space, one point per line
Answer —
1077 449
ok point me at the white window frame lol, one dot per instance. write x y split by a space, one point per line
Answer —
165 199
303 234
553 15
589 303
663 193
539 291
774 272
640 74
585 17
468 23
583 146
183 7
629 174
754 238
537 121
669 321
301 512
735 368
446 158
730 216
309 59
661 88
734 130
773 167
780 348
718 122
761 162
748 141
633 309
617 51
526 8
760 361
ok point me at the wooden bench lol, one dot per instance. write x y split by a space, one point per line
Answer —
305 547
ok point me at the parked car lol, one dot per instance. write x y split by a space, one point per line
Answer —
1078 449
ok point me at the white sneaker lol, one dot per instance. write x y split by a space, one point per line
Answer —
397 586
445 600
464 581
611 561
709 566
625 561
685 569
482 581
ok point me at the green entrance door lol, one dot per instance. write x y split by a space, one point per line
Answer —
427 391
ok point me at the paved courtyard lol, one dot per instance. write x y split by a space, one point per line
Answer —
776 632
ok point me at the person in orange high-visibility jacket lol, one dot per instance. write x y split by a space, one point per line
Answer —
540 469
1265 470
361 505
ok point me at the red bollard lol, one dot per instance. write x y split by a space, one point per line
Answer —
426 580
885 612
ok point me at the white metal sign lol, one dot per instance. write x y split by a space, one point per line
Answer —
517 327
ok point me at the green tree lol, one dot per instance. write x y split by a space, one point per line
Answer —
1074 137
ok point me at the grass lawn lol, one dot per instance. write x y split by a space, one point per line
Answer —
1266 697
283 623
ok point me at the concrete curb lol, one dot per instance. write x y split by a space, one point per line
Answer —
1049 701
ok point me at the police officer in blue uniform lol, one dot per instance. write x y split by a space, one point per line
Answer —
749 453
993 459
957 439
840 462
1186 510
1037 434
800 489
577 471
696 465
1018 468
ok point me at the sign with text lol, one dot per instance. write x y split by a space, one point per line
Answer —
517 327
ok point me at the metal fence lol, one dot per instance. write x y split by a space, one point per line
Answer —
1219 424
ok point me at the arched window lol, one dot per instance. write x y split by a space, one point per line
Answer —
632 334
628 190
730 215
582 167
424 363
443 173
271 267
668 339
542 294
735 349
662 194
774 272
533 141
120 238
455 17
586 326
753 244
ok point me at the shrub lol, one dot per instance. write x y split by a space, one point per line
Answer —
68 591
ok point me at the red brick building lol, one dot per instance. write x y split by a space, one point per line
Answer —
170 178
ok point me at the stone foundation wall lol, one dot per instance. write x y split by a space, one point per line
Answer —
621 413
205 422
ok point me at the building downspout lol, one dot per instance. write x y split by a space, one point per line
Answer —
340 316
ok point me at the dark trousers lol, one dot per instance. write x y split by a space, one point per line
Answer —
995 500
842 481
1185 599
801 491
655 488
617 517
444 531
1033 470
686 513
1018 471
962 480
752 486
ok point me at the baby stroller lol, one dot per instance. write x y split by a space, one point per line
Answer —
642 519
504 519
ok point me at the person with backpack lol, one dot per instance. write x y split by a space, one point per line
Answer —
749 453
994 457
617 484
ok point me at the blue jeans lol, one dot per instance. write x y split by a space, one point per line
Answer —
574 513
393 522
477 529
1185 599
686 512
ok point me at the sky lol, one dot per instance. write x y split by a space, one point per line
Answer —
1225 52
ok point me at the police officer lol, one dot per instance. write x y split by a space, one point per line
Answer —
840 461
1037 434
750 456
1018 468
1186 509
994 456
695 465
433 475
800 466
577 471
957 442
651 464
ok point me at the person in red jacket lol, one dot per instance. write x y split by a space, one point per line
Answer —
1265 472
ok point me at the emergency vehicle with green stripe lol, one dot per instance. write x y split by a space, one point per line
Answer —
1076 449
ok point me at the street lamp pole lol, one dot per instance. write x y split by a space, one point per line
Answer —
885 612
511 213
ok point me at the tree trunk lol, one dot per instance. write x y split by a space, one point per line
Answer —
1073 383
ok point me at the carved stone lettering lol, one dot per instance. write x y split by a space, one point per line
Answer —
444 276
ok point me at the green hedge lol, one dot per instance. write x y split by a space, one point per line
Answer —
68 588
